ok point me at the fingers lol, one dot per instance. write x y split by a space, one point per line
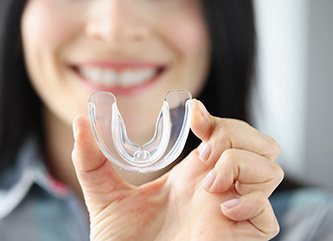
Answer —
202 122
247 170
94 172
238 153
242 160
253 215
220 134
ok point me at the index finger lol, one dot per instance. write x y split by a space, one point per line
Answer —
219 134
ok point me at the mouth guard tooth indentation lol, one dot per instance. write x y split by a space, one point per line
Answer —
172 128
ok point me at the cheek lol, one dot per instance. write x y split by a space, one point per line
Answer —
45 32
45 35
188 32
44 26
190 39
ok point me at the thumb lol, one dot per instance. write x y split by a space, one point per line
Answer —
98 180
202 122
196 164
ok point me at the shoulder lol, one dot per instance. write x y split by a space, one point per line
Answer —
304 214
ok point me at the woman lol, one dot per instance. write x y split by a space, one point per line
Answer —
54 54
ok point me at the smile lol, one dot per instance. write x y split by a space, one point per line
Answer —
118 78
115 78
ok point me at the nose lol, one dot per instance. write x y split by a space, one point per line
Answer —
116 20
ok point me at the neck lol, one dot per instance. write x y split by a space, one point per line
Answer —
59 145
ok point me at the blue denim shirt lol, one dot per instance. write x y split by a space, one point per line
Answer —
35 207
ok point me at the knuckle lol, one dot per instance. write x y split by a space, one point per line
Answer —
227 163
260 199
276 229
273 230
278 173
272 227
273 147
224 143
228 124
223 127
229 156
221 134
244 124
224 123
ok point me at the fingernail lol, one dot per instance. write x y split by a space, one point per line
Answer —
209 179
231 203
205 151
203 111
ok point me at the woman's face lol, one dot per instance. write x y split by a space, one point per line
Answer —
136 49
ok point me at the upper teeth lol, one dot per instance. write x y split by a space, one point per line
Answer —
120 78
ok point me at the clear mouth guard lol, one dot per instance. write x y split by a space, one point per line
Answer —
171 131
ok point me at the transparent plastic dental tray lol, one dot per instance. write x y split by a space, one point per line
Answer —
171 131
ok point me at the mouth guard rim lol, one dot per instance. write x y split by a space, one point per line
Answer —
163 159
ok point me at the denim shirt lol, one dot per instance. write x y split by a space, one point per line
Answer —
36 207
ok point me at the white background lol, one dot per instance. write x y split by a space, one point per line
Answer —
295 74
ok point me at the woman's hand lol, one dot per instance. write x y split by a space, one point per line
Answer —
218 192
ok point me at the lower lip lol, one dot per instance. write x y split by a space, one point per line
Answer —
117 90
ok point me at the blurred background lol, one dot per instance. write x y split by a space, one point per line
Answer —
295 75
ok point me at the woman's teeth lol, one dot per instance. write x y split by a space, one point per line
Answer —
125 78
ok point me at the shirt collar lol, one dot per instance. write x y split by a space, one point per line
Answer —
29 170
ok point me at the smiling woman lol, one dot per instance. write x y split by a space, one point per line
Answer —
55 53
112 47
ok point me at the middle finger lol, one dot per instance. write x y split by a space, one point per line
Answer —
246 170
